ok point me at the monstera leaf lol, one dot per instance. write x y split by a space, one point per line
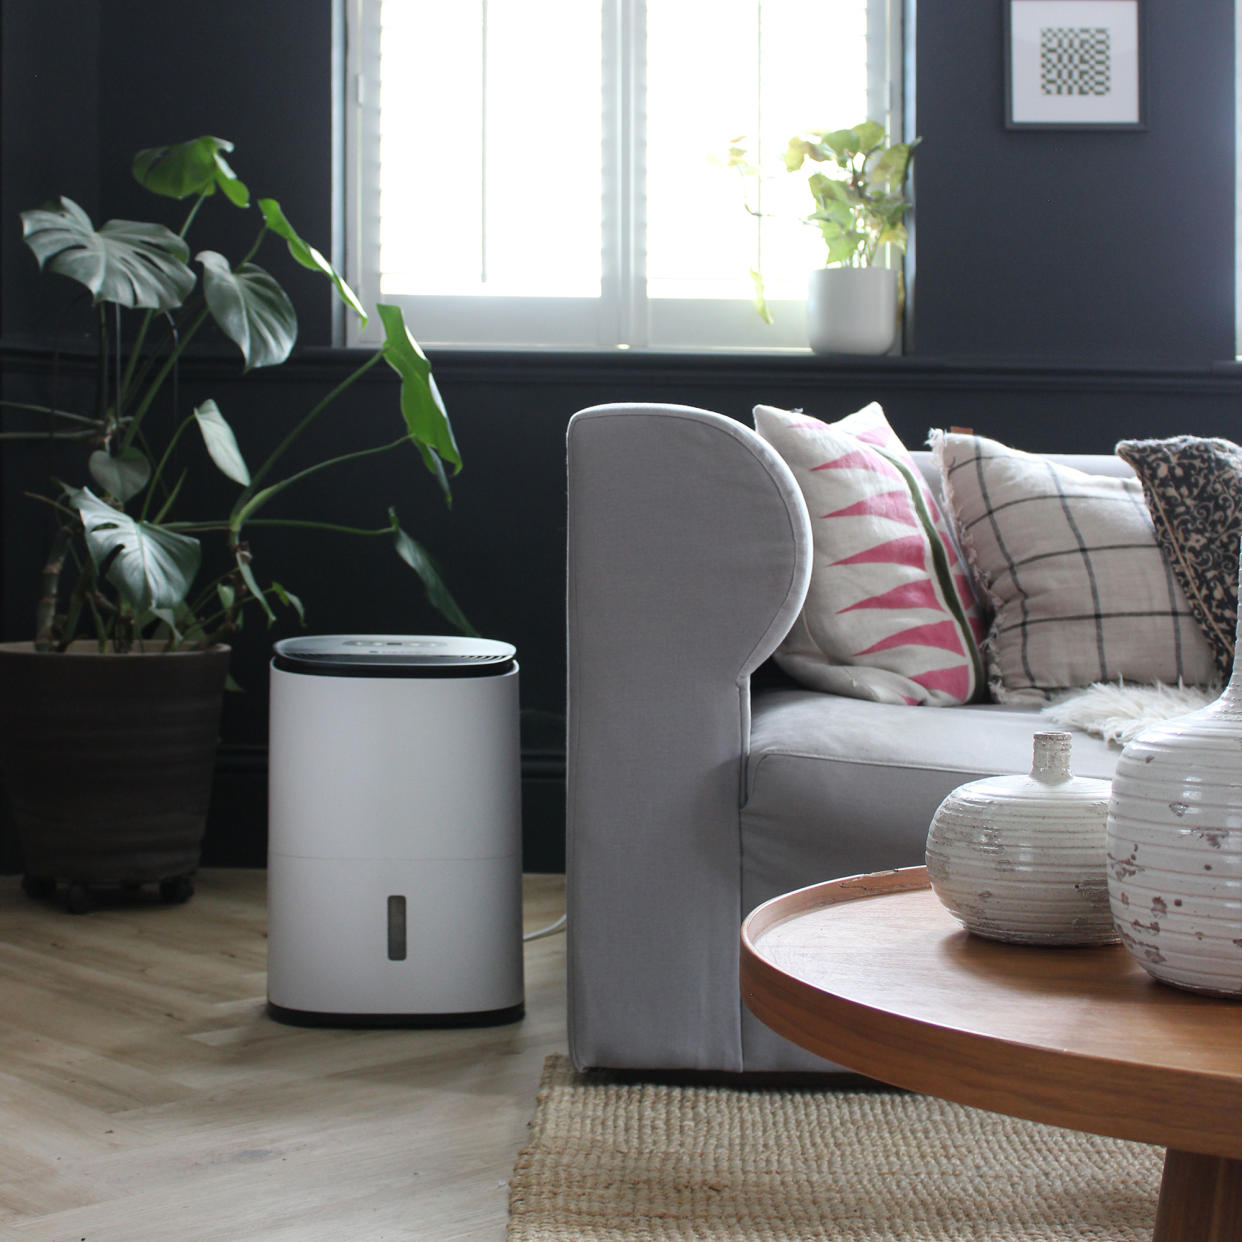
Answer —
416 557
151 567
422 407
194 167
221 442
123 475
307 255
126 262
252 310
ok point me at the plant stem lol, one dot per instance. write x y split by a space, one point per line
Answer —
49 590
136 352
241 515
308 524
55 504
157 473
101 377
172 496
160 376
185 228
314 413
258 241
47 409
48 435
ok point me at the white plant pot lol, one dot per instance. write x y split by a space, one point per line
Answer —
852 310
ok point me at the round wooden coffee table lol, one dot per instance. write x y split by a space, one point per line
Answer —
873 973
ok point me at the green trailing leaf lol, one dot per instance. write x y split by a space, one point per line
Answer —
126 262
893 235
760 295
169 617
828 190
416 557
290 601
251 309
221 443
869 136
798 150
843 143
150 566
843 247
889 168
307 255
194 167
252 583
122 476
426 419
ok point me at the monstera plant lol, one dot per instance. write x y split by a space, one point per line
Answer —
133 559
125 589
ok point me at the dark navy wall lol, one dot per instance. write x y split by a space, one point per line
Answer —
1070 289
1058 244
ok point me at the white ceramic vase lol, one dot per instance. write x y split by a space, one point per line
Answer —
852 310
1175 847
1021 858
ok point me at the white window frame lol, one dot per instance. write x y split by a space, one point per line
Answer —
622 317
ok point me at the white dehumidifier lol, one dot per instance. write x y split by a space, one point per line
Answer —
394 832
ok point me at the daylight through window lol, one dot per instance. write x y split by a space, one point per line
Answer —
553 172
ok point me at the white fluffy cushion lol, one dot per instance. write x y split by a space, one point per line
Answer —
1069 563
890 614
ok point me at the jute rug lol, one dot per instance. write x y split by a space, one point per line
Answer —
610 1159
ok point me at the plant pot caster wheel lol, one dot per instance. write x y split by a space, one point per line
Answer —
176 889
40 887
79 899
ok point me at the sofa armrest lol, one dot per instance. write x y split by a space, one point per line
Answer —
688 560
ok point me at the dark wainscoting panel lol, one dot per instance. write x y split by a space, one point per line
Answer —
502 546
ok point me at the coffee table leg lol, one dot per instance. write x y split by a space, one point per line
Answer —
1200 1199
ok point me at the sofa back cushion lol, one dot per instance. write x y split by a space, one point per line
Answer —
890 614
1194 495
1068 562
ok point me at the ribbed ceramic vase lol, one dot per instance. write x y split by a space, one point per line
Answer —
1021 858
1175 847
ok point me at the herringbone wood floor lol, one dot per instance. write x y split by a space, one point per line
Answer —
146 1095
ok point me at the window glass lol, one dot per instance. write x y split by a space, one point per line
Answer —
554 172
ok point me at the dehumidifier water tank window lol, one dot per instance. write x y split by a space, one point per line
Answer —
396 929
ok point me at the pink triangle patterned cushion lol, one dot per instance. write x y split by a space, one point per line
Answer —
890 614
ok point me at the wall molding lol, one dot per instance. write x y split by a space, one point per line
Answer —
572 368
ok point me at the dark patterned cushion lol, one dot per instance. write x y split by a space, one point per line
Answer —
1193 489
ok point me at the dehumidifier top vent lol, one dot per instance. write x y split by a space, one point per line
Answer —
394 655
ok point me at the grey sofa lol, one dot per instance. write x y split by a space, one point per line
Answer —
696 790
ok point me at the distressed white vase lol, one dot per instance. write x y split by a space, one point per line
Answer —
1175 847
1022 858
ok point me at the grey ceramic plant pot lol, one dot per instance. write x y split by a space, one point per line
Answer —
107 763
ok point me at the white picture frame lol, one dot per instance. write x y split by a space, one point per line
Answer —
1073 64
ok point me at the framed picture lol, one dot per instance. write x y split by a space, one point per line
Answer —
1073 64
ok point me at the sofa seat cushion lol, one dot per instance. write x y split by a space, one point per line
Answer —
839 786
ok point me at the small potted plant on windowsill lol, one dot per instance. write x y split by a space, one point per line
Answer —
853 301
109 716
